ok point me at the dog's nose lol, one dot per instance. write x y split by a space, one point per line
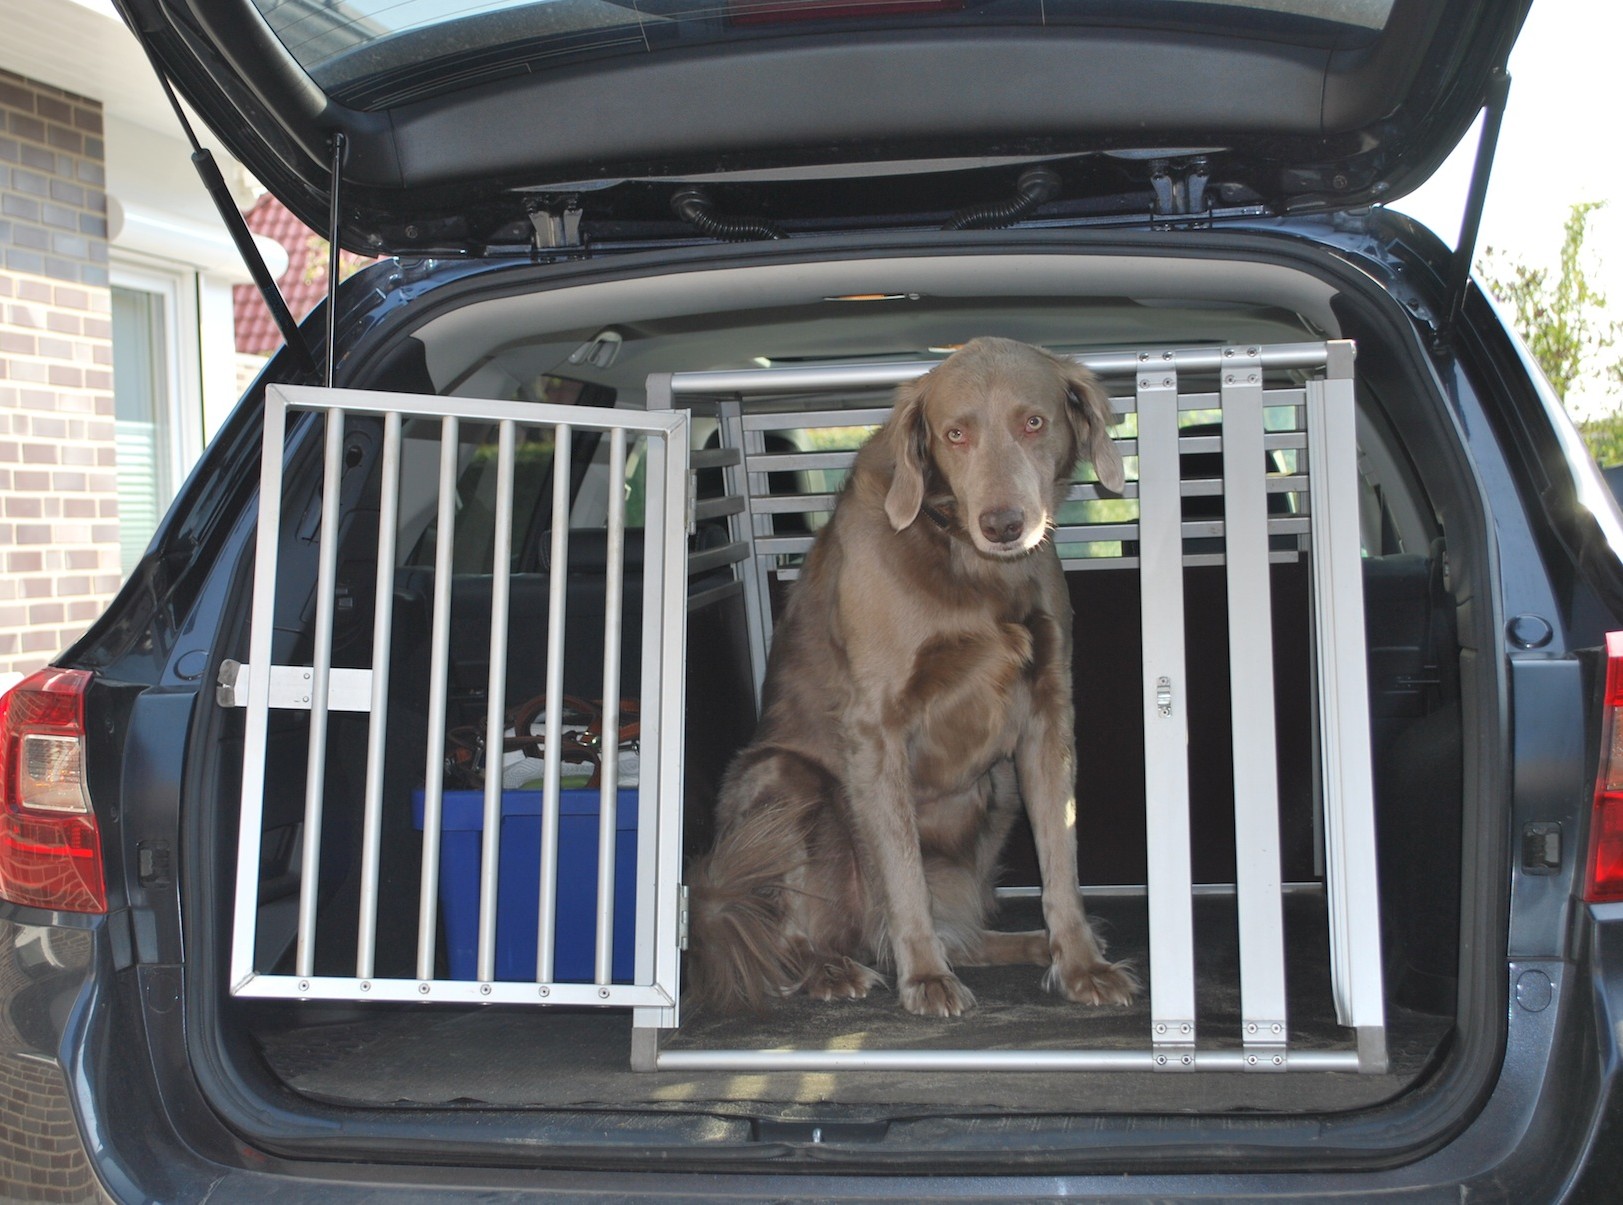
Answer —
1003 526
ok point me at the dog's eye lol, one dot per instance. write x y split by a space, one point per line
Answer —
1035 423
955 435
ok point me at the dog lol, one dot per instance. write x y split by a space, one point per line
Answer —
918 690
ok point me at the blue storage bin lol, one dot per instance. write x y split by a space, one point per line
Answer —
518 883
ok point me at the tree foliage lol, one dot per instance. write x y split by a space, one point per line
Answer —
1562 319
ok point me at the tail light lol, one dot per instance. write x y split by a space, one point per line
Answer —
50 847
1604 880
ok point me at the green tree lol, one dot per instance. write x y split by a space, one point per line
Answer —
1563 322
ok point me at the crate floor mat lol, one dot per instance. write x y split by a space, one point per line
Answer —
509 1056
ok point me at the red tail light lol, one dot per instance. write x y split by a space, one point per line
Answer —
50 847
1604 880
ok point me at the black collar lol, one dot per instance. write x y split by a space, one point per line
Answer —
936 517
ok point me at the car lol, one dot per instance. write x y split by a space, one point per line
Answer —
343 856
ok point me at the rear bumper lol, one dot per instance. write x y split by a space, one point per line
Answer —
95 1093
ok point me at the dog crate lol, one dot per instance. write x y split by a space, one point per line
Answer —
1238 458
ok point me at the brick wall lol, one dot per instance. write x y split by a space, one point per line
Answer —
59 552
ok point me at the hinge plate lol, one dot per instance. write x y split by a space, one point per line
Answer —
290 687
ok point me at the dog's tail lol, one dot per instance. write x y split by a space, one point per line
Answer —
740 956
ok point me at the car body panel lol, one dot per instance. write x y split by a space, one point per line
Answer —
804 121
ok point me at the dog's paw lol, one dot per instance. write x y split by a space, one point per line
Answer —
936 996
1101 983
846 979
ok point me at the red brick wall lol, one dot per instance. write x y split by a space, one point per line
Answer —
59 553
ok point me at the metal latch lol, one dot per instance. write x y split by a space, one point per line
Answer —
1163 696
554 230
1178 196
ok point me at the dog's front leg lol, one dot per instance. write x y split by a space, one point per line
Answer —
882 811
1045 761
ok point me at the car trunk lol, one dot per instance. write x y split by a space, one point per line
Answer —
366 1024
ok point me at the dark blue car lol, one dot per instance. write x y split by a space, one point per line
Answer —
344 857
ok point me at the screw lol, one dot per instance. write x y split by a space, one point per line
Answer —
1229 379
1251 1059
546 991
1252 378
1250 351
603 993
1279 1060
1166 382
304 985
1160 1060
1187 1060
1143 356
1160 1029
366 985
1183 1028
1227 352
423 989
1252 1028
484 989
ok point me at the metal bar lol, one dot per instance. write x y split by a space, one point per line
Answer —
439 661
715 558
315 770
546 939
752 574
1349 805
978 1060
496 700
785 462
1166 723
659 829
668 716
452 991
608 797
1104 364
334 251
377 722
797 420
1077 533
1126 891
255 731
1251 683
718 508
436 406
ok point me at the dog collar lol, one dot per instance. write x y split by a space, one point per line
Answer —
936 517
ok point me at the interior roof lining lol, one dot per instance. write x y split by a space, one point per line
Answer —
456 341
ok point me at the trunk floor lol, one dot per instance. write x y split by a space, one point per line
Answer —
541 1058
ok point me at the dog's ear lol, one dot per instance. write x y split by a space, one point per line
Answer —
910 441
1091 414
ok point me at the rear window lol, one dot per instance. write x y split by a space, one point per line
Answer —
376 53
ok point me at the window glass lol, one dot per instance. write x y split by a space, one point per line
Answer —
373 53
140 321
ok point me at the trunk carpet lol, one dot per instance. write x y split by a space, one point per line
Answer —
542 1058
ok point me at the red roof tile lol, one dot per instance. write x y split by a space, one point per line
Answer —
303 285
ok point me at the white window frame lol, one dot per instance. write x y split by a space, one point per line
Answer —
181 351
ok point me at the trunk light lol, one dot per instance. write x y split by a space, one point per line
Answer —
50 846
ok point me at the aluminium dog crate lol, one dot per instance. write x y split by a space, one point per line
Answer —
1282 418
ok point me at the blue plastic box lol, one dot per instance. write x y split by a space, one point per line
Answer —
518 883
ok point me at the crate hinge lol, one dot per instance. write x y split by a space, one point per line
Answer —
292 687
